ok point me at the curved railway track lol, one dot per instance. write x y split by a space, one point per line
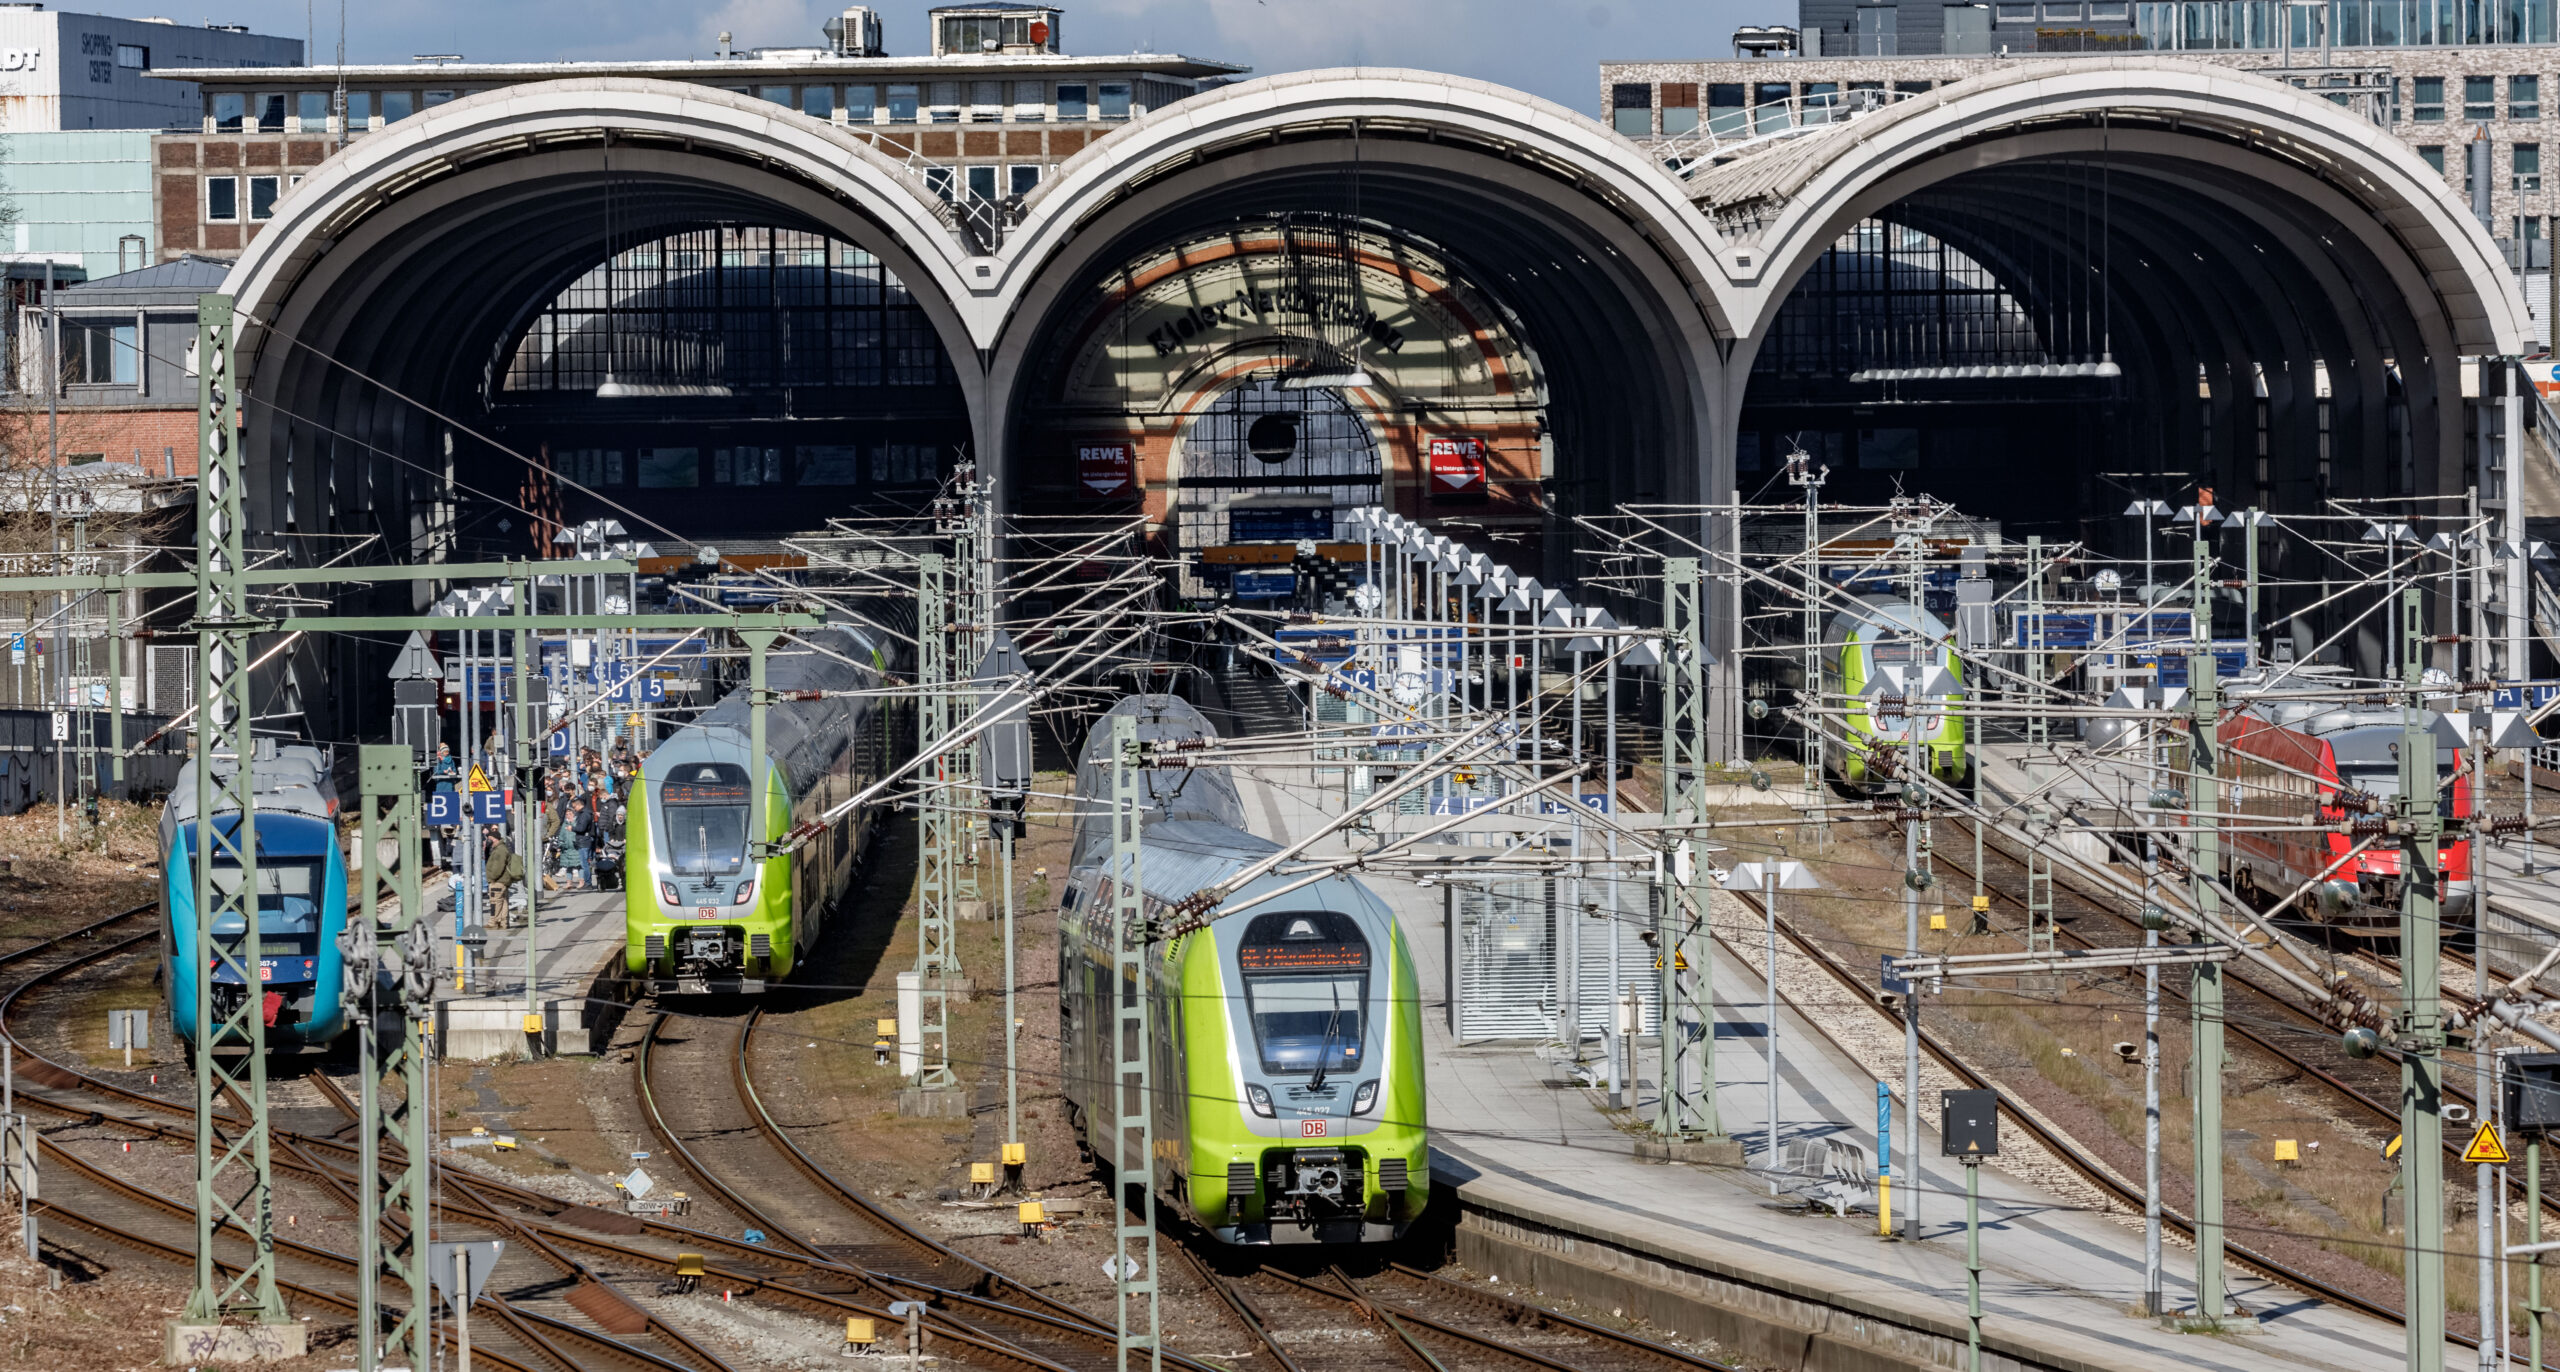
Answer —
831 1252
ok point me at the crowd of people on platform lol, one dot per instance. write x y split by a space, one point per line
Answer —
585 802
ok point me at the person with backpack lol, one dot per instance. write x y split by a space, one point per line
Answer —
578 841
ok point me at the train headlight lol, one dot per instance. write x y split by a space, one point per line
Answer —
746 893
667 893
1365 1099
1260 1100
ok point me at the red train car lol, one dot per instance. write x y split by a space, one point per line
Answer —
2329 763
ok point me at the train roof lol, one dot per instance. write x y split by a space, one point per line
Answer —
289 777
2354 729
1182 856
803 737
1168 794
1886 613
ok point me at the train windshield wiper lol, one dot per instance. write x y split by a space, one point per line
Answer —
1324 1054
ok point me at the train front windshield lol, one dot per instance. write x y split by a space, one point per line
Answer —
705 807
289 893
2382 782
1306 986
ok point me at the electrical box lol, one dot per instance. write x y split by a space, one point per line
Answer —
1969 1123
2531 1082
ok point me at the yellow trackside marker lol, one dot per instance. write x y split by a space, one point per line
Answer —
2392 1149
1016 1154
2486 1146
1938 922
861 1330
1981 903
1032 1212
2288 1150
533 1024
982 1174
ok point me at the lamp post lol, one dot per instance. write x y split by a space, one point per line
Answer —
1769 878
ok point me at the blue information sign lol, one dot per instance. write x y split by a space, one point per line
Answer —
1884 1129
559 743
444 807
488 807
1265 584
1280 525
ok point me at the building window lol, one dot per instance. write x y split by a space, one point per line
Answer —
1024 179
902 104
670 468
939 181
2426 100
1631 109
99 354
2524 97
2526 159
1113 96
222 199
271 114
902 464
227 112
1071 107
2433 155
818 102
858 103
982 183
986 101
1725 116
435 98
746 466
753 309
312 109
397 105
133 57
1030 102
946 102
780 95
1679 106
359 109
262 196
827 464
2479 97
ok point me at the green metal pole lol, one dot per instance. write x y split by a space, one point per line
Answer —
762 829
2533 1307
1973 1263
529 757
395 979
2206 1000
1012 1026
235 1182
937 876
115 693
1132 1112
2420 1036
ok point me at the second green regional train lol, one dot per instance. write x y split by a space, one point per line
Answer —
1287 1038
1859 645
701 914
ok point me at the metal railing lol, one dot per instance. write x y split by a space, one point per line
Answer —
1729 131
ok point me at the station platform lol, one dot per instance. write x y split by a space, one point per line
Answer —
578 932
1552 1194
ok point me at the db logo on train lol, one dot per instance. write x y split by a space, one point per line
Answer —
1311 1129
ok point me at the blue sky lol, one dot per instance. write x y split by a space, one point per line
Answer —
1547 47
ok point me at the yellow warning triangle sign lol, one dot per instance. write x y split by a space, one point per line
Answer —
480 779
2485 1146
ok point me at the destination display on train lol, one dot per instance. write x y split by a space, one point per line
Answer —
1302 957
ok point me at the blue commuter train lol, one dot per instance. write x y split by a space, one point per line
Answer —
302 899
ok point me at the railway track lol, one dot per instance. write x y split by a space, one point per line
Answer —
558 1301
2067 1150
1334 1322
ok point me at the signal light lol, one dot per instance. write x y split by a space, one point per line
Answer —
667 892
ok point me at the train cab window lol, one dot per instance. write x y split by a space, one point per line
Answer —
1306 985
704 805
289 891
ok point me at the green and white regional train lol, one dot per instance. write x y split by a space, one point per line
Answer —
1859 645
1286 1044
700 913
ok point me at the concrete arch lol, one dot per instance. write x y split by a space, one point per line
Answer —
1783 206
1579 233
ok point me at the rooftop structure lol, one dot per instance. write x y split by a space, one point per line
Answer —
92 71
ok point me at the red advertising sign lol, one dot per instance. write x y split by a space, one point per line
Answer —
1457 466
1106 468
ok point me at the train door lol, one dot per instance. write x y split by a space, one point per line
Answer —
1253 447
